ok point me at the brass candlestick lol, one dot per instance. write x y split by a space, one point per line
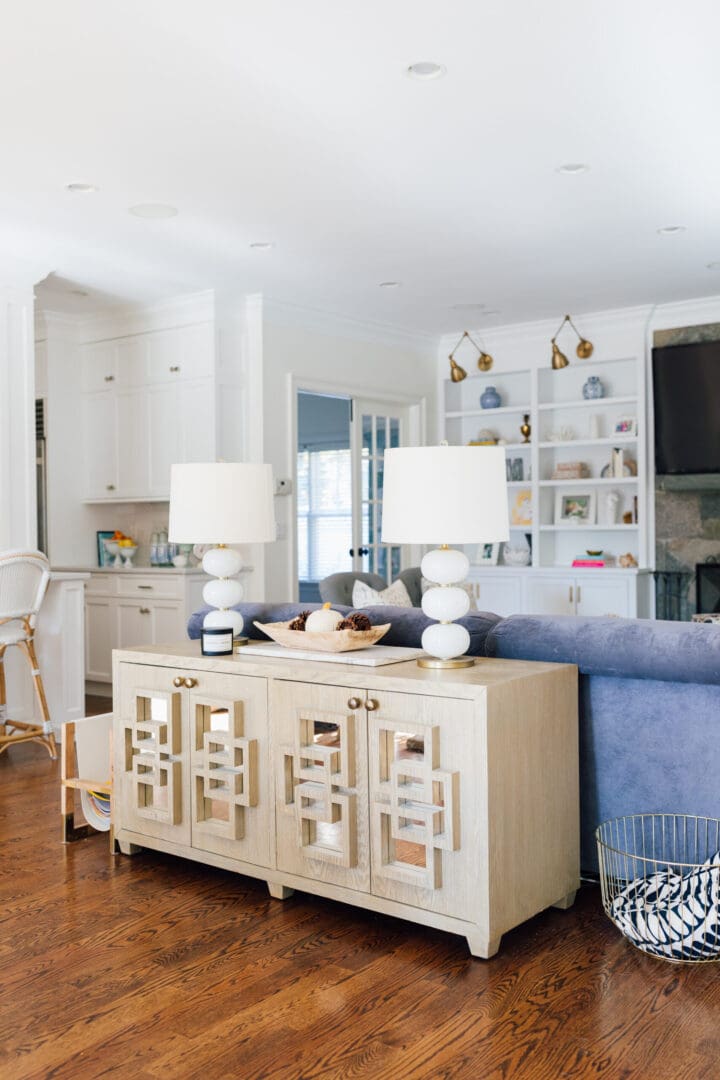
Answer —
525 428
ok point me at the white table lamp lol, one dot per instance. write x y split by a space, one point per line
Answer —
445 495
222 503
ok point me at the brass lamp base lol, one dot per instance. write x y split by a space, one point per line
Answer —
455 662
238 641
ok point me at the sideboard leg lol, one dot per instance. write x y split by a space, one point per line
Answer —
481 945
127 848
279 892
566 901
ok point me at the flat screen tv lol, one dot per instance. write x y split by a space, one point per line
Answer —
686 392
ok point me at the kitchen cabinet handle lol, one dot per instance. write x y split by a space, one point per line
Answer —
371 705
175 367
190 682
144 610
579 595
109 378
144 586
354 703
178 680
109 487
570 594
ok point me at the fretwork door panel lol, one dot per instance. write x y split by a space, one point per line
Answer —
151 756
231 793
425 817
320 751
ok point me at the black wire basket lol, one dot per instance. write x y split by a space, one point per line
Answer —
660 881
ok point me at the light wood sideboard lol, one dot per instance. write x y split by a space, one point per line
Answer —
446 798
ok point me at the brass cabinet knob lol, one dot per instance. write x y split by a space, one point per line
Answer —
190 682
175 367
144 610
109 378
178 680
354 703
110 487
371 705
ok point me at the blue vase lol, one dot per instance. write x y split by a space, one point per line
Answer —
490 399
593 388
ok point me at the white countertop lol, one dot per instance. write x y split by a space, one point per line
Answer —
69 575
134 570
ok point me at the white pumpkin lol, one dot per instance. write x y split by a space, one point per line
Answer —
323 620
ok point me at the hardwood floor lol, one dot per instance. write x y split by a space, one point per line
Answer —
153 967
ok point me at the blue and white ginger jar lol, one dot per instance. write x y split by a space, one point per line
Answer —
593 388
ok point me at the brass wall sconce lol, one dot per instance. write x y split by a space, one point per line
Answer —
583 351
485 361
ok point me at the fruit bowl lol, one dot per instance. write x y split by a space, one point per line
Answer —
127 551
324 641
113 549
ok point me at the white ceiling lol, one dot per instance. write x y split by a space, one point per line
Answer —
293 122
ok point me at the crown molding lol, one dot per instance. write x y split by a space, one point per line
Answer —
282 313
141 319
632 318
686 313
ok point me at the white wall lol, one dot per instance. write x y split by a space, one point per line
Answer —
18 519
346 357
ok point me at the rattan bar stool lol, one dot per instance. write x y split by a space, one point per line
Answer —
24 577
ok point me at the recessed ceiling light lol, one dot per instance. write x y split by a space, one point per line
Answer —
153 211
80 189
425 70
713 265
262 245
573 168
671 230
389 284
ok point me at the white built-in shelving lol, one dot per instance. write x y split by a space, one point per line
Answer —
565 427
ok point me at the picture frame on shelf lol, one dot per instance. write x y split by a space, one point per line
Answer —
521 511
626 425
487 554
575 508
102 535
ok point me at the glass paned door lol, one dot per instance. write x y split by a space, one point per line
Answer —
376 427
340 460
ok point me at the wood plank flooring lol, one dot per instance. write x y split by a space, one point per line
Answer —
154 967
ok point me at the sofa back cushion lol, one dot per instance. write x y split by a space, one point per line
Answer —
407 624
622 648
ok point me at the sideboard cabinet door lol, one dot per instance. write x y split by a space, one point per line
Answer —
151 755
230 768
427 800
319 736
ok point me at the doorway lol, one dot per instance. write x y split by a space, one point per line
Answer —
341 443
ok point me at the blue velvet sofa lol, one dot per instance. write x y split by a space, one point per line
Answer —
649 701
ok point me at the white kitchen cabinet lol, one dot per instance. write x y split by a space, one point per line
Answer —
132 443
125 608
101 454
100 637
149 403
507 591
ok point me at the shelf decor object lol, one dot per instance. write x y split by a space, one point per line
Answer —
490 399
442 495
222 503
593 388
485 361
583 351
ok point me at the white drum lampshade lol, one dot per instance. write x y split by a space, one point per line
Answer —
445 495
222 503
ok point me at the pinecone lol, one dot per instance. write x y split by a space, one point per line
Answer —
299 621
356 621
